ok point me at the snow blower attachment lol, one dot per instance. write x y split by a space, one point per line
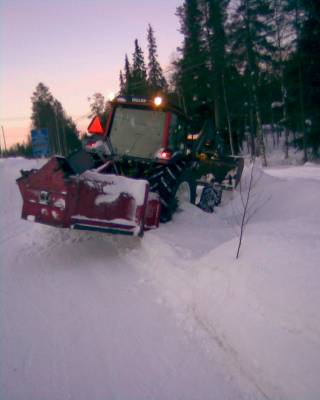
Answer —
134 173
56 195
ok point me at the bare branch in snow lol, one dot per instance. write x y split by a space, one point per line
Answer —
245 209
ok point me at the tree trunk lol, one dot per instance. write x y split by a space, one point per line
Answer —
277 5
252 70
301 100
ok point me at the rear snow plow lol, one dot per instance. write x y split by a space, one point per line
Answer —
131 175
55 195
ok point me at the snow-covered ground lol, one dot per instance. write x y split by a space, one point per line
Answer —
171 316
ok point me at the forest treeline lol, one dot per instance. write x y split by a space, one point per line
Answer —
48 113
247 63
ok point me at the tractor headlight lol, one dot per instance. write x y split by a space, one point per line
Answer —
111 96
157 101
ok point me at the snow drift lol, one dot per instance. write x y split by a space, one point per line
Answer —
89 315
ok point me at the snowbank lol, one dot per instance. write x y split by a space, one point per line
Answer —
307 171
262 310
89 315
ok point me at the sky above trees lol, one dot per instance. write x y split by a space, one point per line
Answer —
74 47
246 63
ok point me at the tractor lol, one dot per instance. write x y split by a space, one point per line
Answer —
135 172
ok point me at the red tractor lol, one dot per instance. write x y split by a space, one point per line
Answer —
133 173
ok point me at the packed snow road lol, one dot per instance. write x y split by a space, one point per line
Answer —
172 316
78 322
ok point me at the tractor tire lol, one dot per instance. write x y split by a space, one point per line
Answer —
169 181
210 197
185 189
218 193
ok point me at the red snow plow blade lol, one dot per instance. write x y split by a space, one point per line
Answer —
55 195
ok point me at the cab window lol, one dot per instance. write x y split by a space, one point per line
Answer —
177 132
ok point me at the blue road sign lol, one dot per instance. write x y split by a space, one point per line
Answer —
40 142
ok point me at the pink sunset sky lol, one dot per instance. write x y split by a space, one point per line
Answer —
76 48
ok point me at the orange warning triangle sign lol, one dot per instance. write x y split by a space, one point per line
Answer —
95 126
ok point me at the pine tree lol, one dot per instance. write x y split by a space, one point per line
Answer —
66 130
70 134
309 45
156 80
303 72
127 77
139 83
251 29
191 76
282 46
42 101
122 84
47 112
215 16
43 115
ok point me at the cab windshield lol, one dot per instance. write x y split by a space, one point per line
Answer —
137 132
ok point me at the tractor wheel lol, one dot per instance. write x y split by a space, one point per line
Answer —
218 192
170 182
210 197
185 190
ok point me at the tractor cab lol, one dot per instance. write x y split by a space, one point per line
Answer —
141 130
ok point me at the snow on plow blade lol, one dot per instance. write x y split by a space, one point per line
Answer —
55 195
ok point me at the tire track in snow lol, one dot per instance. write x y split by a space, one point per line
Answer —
230 351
